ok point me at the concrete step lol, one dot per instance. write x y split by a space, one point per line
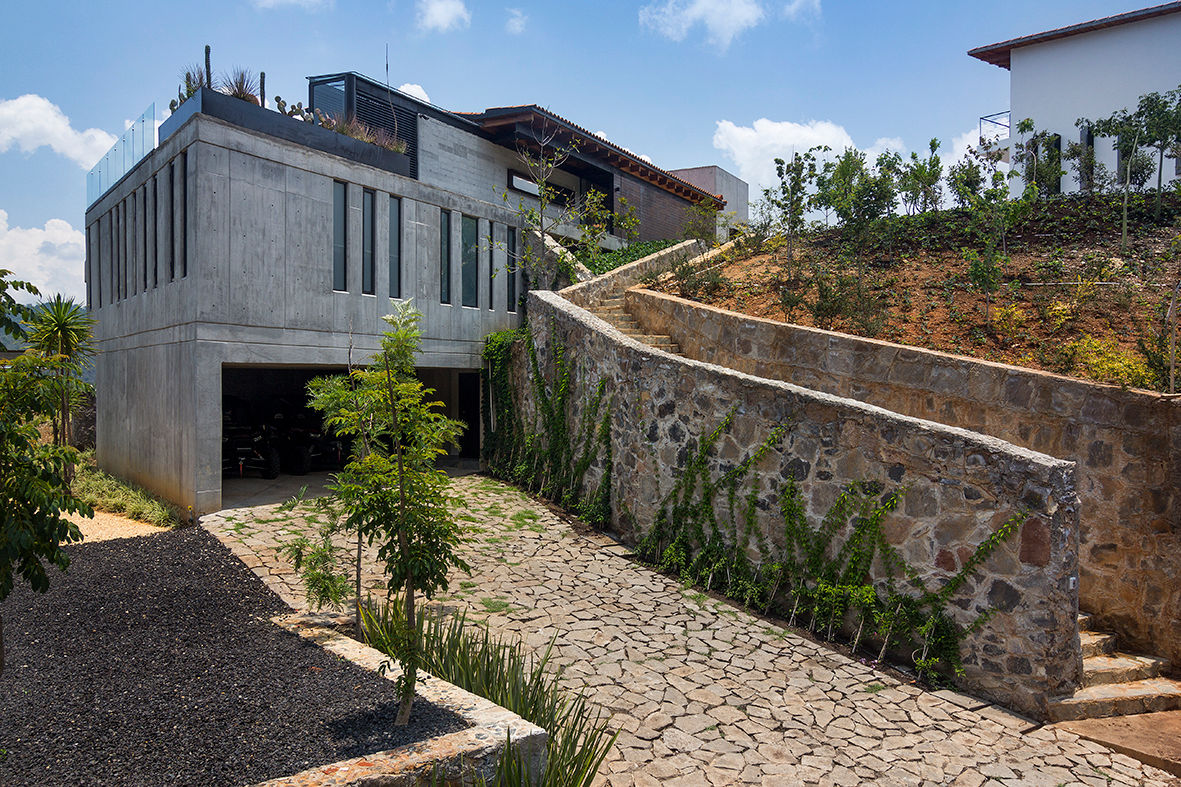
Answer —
1096 643
1084 621
1121 668
1118 699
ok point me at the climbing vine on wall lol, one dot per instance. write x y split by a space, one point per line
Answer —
553 460
820 577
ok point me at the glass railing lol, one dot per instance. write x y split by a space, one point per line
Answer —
137 141
995 126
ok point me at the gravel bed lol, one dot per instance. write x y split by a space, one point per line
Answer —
153 662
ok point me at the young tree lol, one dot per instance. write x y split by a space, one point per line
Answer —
965 179
1037 159
391 491
919 181
61 329
34 491
1160 117
795 179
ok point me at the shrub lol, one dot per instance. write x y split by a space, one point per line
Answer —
1107 362
104 492
502 671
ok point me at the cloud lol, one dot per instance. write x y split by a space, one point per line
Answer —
722 19
310 5
958 149
51 257
801 9
417 91
31 121
443 15
517 19
753 149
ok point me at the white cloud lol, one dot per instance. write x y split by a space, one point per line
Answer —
722 19
517 19
753 149
31 121
310 5
51 257
443 15
799 9
411 89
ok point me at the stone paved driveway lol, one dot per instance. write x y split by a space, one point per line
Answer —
703 692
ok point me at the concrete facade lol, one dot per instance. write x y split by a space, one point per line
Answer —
716 180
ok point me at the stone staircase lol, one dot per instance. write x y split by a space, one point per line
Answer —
612 311
1116 683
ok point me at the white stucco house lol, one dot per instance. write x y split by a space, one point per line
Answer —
1090 69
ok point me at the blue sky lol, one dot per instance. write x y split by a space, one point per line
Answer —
686 82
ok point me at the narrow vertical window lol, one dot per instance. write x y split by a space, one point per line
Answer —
155 233
109 257
470 261
184 205
132 244
395 247
143 212
367 230
511 269
119 251
444 256
89 269
170 176
340 236
491 270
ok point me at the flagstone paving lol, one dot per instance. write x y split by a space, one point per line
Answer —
702 692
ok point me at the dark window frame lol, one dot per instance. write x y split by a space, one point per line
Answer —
491 267
368 242
444 256
340 236
511 269
469 262
395 247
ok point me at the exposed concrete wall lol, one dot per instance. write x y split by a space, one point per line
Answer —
716 180
259 292
1126 443
960 486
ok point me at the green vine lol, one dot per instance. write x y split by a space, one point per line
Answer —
554 461
821 577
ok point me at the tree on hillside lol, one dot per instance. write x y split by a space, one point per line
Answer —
795 179
1160 117
858 193
34 492
919 181
391 492
61 329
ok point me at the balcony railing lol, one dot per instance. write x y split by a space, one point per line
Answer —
137 141
995 126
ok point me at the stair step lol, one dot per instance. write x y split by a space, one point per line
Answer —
1118 699
1084 621
1121 668
1096 643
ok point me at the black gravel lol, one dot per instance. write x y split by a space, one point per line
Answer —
153 662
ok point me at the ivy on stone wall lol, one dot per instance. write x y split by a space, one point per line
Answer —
553 461
820 577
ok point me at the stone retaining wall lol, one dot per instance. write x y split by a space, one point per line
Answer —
1125 443
960 486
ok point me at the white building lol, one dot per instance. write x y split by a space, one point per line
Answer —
1089 70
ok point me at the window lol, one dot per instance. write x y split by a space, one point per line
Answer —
511 270
143 212
367 270
155 233
340 235
184 224
470 261
444 256
118 261
89 269
170 179
109 257
491 270
395 247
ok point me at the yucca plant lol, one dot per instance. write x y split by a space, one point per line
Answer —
61 328
501 670
240 83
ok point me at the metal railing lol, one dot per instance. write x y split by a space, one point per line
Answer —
995 126
137 141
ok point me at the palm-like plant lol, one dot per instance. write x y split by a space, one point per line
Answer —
61 328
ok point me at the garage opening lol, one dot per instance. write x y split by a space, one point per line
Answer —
273 444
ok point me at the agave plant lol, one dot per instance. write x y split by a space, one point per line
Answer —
241 84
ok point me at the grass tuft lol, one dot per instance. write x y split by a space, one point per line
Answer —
105 492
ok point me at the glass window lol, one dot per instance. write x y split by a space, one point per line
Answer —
367 270
444 256
143 195
491 269
183 194
470 261
170 177
155 232
395 247
340 281
511 271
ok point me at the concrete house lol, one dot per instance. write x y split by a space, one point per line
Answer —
246 252
1090 70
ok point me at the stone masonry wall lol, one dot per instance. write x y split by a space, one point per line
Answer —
960 486
1125 443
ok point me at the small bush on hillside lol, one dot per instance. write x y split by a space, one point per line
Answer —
1107 362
